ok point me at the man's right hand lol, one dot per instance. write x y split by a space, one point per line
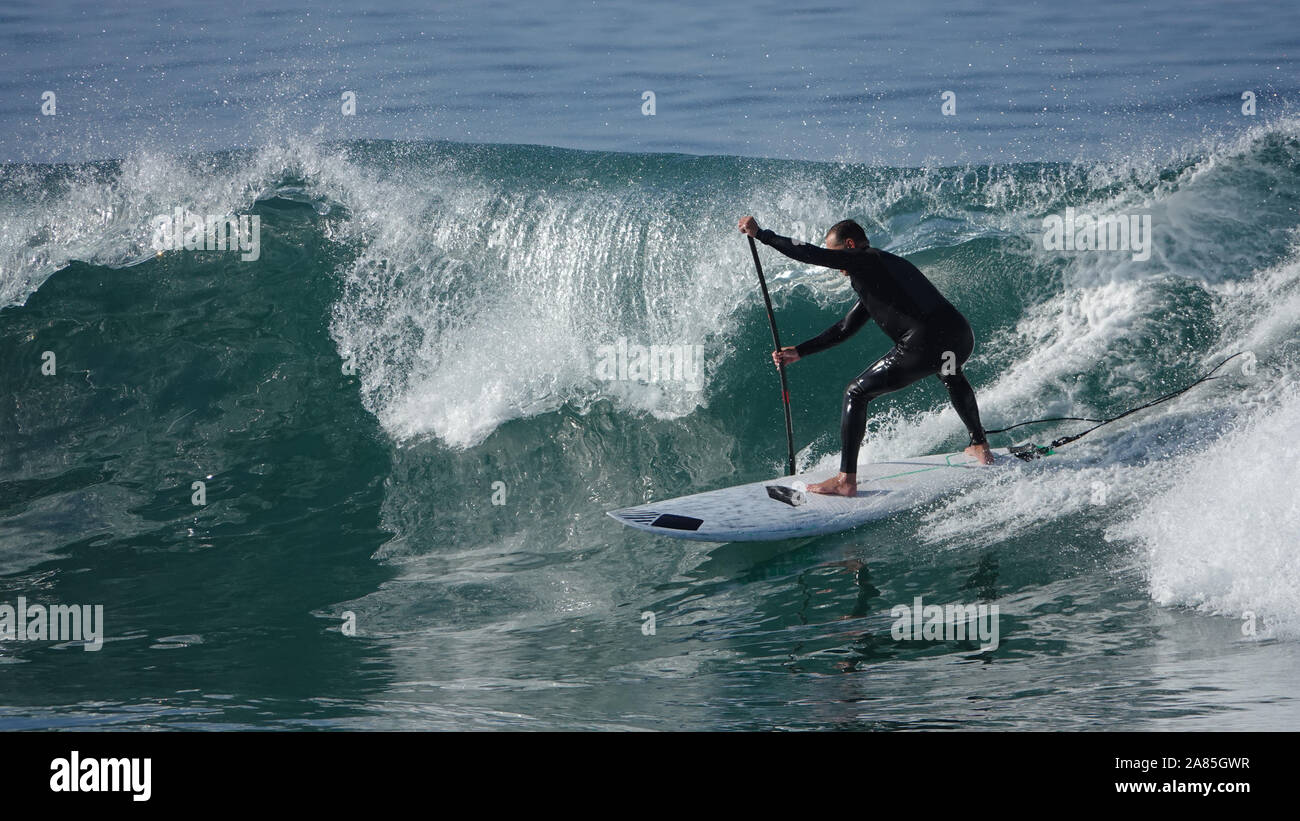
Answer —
785 356
748 226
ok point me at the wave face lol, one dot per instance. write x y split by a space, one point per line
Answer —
410 408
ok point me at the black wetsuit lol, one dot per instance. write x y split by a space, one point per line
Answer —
930 335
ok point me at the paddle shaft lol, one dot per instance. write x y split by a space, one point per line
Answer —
780 366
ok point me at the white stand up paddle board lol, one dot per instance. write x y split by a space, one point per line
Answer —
782 509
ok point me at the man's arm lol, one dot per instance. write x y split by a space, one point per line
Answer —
811 254
837 333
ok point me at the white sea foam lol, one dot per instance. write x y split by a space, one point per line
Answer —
1222 536
105 218
473 304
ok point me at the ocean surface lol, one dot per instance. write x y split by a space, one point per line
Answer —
407 446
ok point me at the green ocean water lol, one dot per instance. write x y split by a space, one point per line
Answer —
399 425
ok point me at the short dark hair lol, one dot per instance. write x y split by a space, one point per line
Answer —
848 229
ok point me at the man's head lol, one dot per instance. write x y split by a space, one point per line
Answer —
846 234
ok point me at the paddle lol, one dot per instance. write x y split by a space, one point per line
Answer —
776 339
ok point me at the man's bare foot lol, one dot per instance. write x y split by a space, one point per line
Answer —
842 484
980 453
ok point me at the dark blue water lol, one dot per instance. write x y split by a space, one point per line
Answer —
837 81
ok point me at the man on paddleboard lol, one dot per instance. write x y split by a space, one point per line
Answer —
930 336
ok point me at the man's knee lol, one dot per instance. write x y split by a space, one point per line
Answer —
859 390
949 364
